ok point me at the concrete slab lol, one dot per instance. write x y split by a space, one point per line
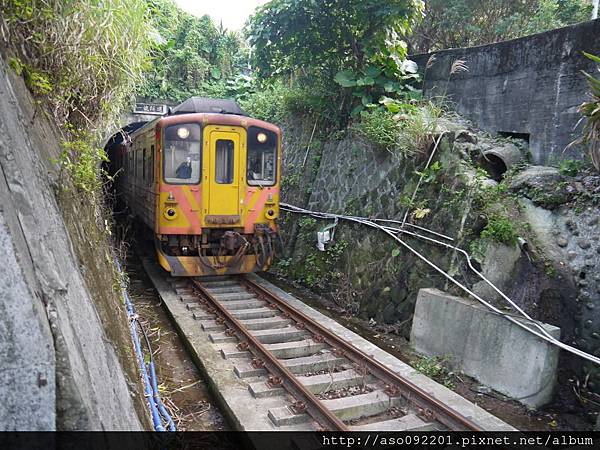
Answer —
410 422
295 349
486 346
314 363
233 296
261 389
223 283
331 381
266 324
362 405
244 369
231 352
277 335
221 337
227 289
211 325
285 416
485 420
201 314
254 313
243 304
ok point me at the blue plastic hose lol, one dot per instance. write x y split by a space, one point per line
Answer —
158 411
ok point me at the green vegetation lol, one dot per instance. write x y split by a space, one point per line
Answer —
570 167
192 56
433 367
380 127
82 59
317 270
276 102
500 229
352 49
401 128
85 56
591 111
80 158
464 23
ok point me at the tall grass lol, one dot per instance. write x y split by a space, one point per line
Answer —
92 52
591 111
83 59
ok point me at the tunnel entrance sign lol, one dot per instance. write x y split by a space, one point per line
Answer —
150 108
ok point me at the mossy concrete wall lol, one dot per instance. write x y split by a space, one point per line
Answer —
368 274
67 361
532 85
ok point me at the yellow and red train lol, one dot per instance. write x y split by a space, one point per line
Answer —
205 179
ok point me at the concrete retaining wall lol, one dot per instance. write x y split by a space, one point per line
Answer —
59 346
531 85
486 346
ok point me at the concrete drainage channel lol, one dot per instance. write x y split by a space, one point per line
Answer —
275 364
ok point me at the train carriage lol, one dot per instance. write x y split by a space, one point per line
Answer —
205 179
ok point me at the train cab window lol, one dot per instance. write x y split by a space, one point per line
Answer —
262 155
182 154
224 161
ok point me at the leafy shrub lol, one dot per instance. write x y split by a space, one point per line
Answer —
276 102
570 167
500 229
379 127
400 128
81 159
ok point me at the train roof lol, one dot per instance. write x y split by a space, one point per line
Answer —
208 105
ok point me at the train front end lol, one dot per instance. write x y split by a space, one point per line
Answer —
219 194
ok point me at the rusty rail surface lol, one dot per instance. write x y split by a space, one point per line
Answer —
396 385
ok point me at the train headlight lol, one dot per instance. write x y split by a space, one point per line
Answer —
261 137
270 214
183 132
170 213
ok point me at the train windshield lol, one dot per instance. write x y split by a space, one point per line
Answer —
182 153
262 156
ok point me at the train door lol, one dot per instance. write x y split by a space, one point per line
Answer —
224 162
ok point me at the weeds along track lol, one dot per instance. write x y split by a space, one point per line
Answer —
320 381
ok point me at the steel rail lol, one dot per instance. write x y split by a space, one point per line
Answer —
310 403
396 383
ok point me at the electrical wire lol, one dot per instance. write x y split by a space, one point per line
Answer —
392 232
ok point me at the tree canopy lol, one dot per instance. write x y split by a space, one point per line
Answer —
463 23
331 34
192 55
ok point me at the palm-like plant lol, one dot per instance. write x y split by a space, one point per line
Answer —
591 112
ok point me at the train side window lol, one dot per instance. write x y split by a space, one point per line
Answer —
262 157
151 165
224 161
182 154
144 164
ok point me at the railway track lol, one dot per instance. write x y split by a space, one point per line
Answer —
326 382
